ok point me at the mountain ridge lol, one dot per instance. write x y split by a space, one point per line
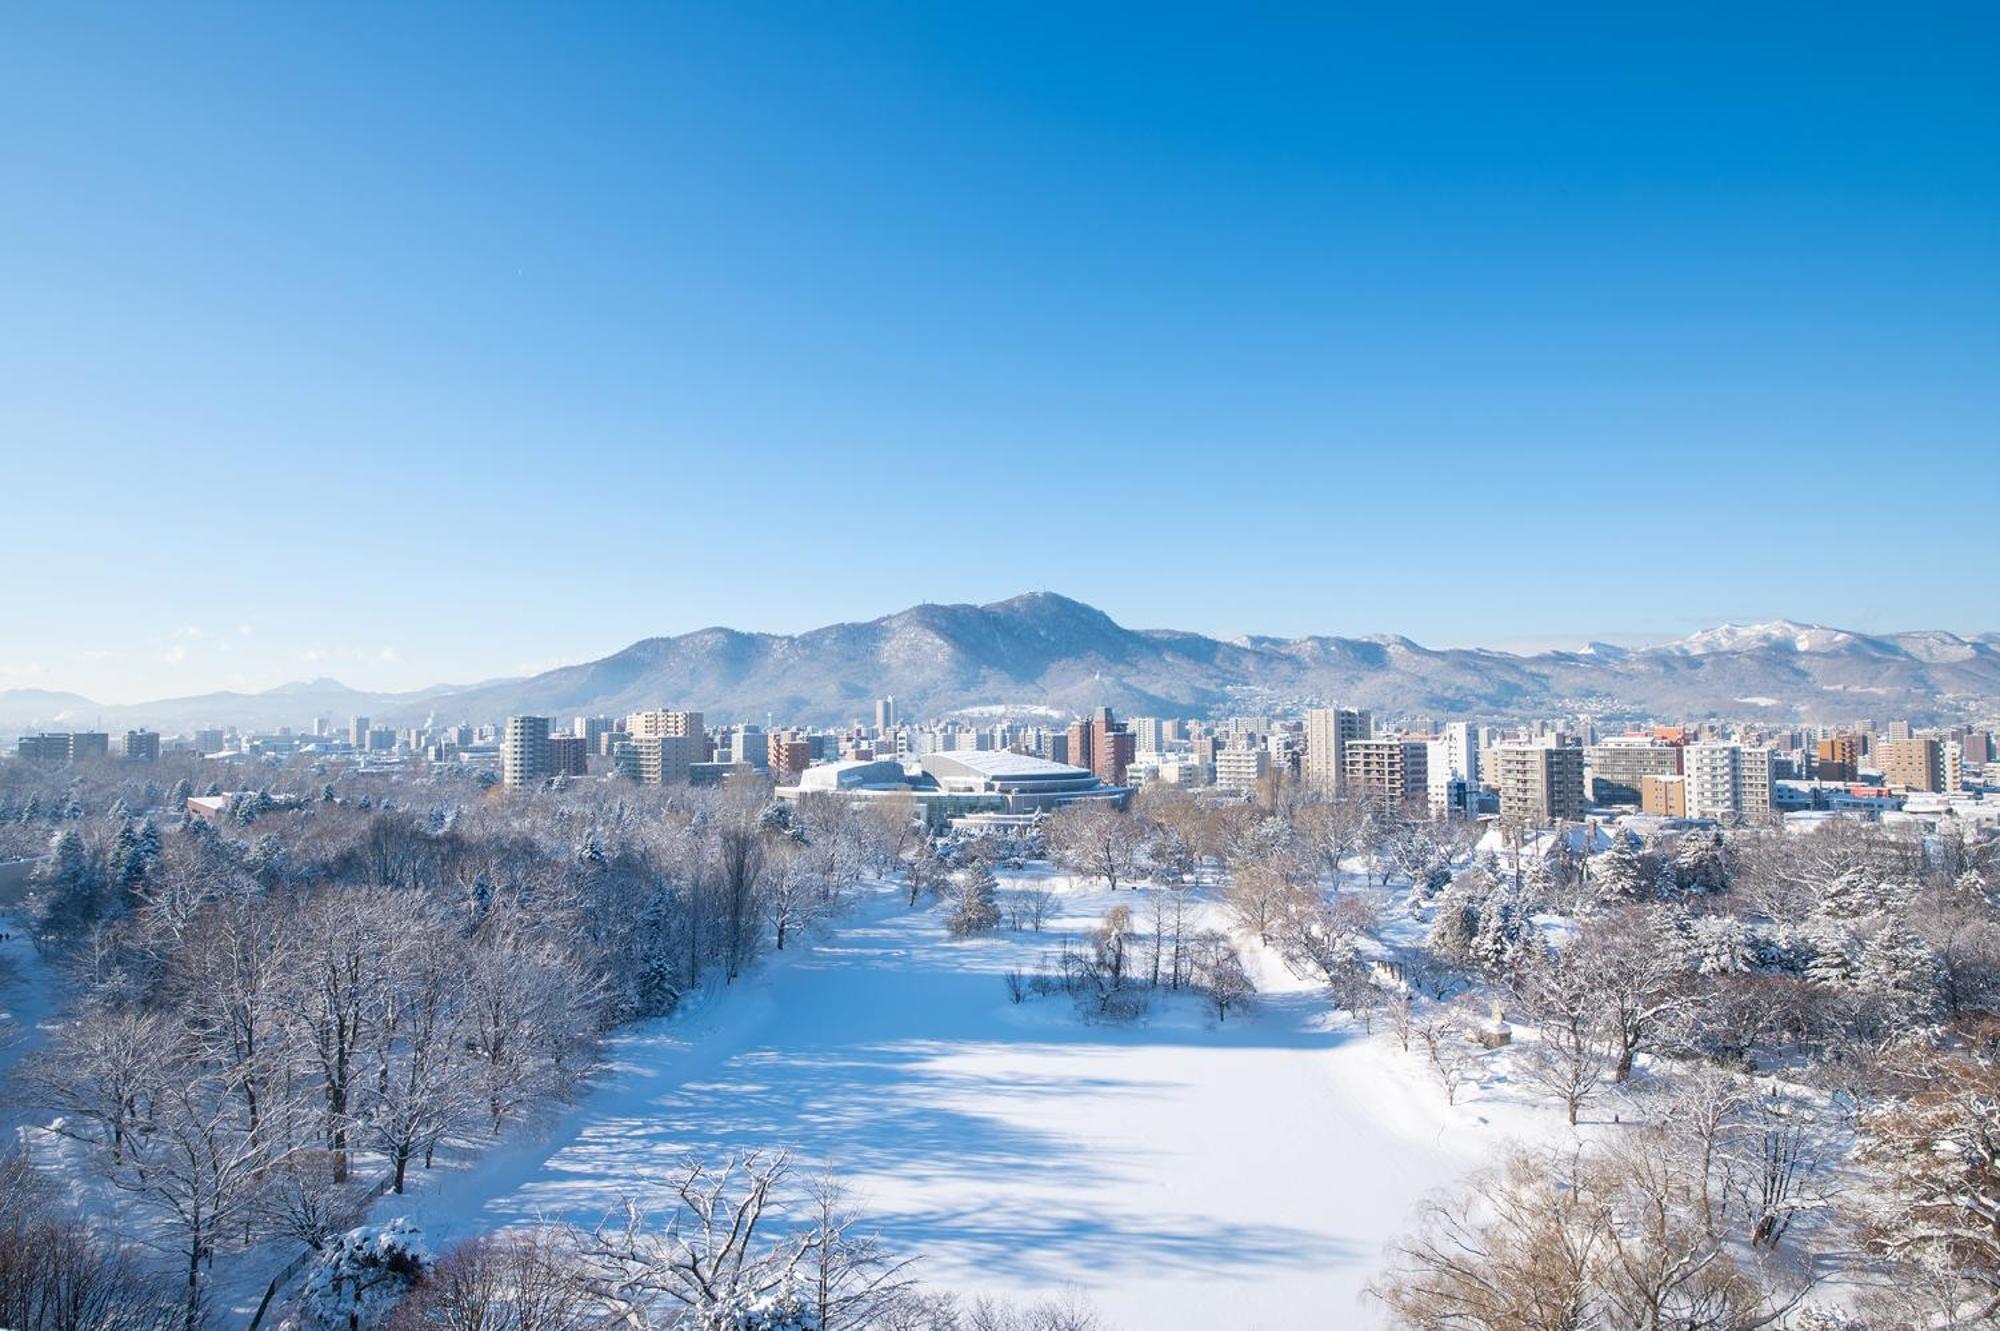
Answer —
1044 650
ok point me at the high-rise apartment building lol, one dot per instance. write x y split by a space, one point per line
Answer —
1912 764
47 750
1453 769
592 730
1103 745
1757 772
1396 771
885 715
568 755
141 746
87 744
524 751
1726 780
660 721
747 745
1613 771
789 755
1539 784
1240 769
657 760
1461 750
1328 729
1838 758
357 733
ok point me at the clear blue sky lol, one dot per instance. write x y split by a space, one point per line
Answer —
409 343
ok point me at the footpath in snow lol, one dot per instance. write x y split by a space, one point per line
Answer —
1179 1172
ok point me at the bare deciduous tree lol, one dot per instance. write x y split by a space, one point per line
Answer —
1096 839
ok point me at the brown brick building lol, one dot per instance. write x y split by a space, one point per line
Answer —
1839 758
1102 744
790 755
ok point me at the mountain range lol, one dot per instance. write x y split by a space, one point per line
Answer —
1049 655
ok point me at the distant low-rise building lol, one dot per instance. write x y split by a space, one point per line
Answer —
1240 770
57 748
1663 795
983 786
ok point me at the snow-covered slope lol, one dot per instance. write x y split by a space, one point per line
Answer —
1780 633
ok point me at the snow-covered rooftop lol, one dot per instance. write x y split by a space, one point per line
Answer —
1002 762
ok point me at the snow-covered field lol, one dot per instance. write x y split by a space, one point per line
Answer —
26 1001
1180 1172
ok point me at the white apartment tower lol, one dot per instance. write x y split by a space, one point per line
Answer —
524 751
662 760
645 725
1453 770
1461 750
1327 731
1726 780
1240 769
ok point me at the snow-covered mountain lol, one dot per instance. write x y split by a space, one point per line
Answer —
1781 634
1047 651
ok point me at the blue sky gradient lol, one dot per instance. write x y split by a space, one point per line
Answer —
409 344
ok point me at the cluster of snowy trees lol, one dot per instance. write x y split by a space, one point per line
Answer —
1113 971
272 1012
1819 1009
60 1273
1298 838
746 1245
1673 1227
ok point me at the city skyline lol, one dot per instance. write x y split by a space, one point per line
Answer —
359 345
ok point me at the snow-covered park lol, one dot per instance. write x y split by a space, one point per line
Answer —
1178 1170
